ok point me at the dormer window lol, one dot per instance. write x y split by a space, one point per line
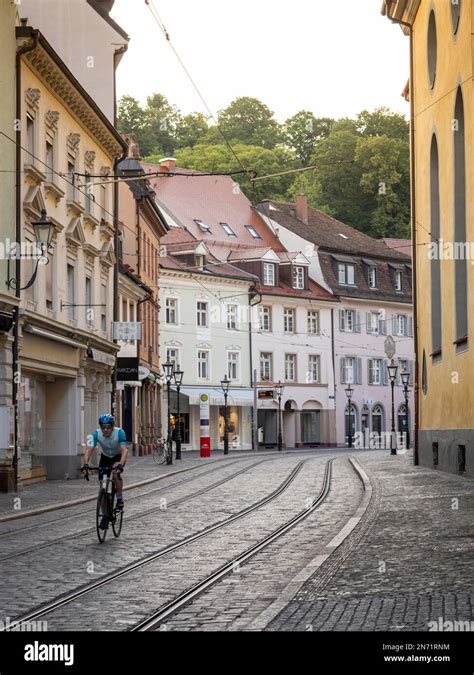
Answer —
203 227
298 278
345 274
268 274
399 280
372 277
199 260
253 232
228 230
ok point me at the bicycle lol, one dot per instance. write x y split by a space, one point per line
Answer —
163 452
107 496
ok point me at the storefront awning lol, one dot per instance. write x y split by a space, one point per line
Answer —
240 397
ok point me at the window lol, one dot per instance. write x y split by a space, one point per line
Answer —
289 320
268 274
202 314
227 228
266 370
435 262
89 309
30 139
403 367
346 274
71 291
233 365
347 320
314 368
401 324
298 278
265 319
253 232
49 284
349 375
89 190
460 262
71 189
375 371
290 367
203 227
455 14
231 317
199 261
313 322
203 365
372 277
49 161
373 323
172 311
103 202
103 308
432 50
172 356
398 280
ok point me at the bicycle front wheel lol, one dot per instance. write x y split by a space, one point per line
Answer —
101 513
117 516
159 454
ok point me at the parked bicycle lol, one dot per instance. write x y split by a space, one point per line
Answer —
163 452
107 512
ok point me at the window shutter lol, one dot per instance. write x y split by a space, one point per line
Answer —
410 370
359 371
367 321
382 327
394 324
385 371
341 320
357 322
410 326
343 371
370 380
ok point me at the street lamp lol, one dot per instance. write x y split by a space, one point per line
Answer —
225 384
392 373
169 368
279 389
405 381
44 230
178 380
350 393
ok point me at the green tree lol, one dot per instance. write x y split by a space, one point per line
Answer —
303 131
191 129
161 122
383 122
130 115
249 121
264 161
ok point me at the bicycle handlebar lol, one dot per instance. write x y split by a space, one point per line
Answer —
86 471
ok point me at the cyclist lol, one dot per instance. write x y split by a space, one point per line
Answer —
113 444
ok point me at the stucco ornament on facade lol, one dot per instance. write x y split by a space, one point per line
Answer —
51 119
32 97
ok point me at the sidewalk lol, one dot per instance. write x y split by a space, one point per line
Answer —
408 565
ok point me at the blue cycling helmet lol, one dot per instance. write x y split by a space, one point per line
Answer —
106 419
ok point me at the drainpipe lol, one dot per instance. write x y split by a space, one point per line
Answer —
252 294
333 351
413 226
34 34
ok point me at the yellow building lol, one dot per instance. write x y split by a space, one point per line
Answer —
441 96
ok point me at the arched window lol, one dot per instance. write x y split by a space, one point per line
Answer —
455 14
378 421
432 50
436 326
460 259
352 419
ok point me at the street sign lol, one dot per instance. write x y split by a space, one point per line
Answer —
266 393
125 331
205 436
389 346
143 372
127 369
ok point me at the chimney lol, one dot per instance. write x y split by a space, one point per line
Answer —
302 208
167 165
133 146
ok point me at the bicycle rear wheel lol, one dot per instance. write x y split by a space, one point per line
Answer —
159 454
101 507
117 515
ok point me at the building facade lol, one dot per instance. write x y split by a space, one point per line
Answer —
442 163
65 342
373 286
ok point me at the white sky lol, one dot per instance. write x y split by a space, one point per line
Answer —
333 57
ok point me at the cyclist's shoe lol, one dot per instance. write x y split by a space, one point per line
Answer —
119 504
103 523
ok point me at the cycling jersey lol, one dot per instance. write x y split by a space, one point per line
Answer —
110 445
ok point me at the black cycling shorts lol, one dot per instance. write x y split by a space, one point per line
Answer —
106 463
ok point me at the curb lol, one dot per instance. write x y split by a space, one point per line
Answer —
292 588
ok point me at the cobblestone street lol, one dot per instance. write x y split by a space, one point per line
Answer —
388 546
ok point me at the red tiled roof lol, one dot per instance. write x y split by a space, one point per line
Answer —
400 245
315 291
